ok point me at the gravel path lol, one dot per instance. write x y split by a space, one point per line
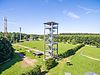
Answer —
28 48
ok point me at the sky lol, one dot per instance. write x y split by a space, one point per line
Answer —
73 16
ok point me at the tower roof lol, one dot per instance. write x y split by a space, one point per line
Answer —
51 23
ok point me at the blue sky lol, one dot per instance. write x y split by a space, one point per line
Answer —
78 16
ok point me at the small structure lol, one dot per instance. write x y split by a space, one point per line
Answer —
38 53
50 40
21 55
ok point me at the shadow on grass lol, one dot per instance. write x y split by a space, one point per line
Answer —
44 72
9 63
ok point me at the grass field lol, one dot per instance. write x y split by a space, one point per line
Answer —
13 67
34 44
39 45
91 51
79 64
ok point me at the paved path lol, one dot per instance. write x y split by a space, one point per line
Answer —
89 57
28 48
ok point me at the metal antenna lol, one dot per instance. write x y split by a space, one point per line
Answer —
5 26
20 33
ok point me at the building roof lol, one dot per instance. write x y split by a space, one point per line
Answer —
38 53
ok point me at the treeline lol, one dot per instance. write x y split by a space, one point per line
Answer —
79 33
12 37
15 36
78 38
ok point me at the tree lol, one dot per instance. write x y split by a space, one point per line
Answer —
17 37
13 38
27 37
6 49
73 41
41 36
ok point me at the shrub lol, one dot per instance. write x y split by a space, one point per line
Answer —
71 51
35 71
50 63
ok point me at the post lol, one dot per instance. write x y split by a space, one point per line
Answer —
20 33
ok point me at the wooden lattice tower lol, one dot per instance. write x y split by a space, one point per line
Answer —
50 40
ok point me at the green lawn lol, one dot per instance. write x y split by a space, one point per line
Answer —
34 44
80 64
13 67
64 47
91 51
39 45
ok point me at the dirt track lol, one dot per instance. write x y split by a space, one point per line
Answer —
28 62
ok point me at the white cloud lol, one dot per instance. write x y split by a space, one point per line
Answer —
73 15
88 10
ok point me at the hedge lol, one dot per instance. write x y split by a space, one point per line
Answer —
71 51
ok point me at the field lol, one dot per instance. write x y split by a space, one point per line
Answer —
13 67
80 64
33 44
62 47
91 51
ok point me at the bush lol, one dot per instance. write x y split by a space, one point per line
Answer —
6 49
50 63
71 51
35 71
